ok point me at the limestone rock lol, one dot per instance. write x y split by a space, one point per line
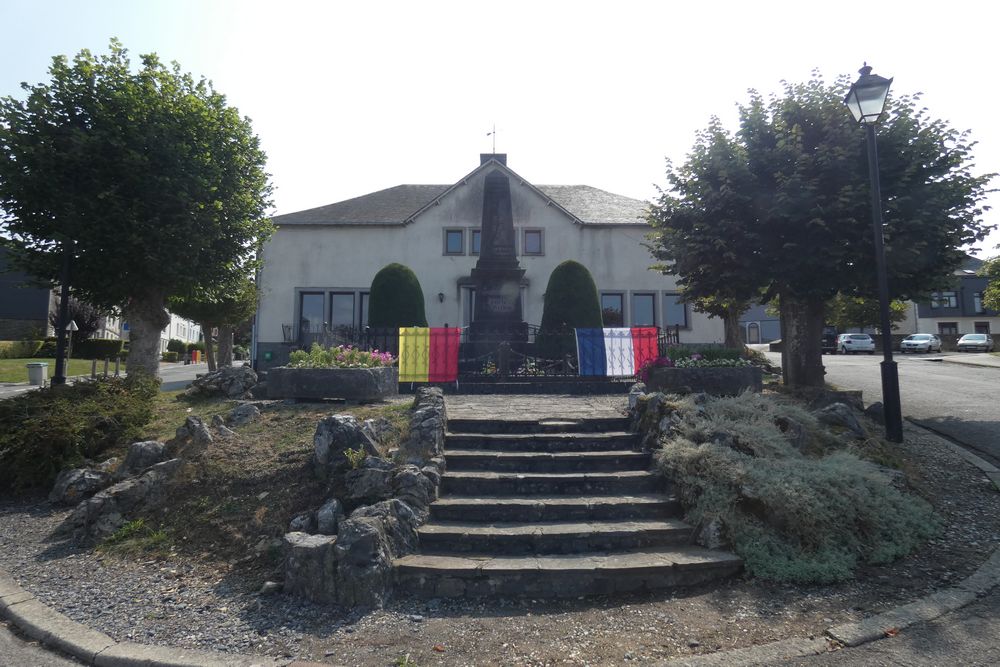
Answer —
100 516
793 431
217 421
427 426
634 392
333 436
398 522
876 412
242 415
328 516
72 486
142 455
194 433
303 523
233 382
364 562
311 566
367 485
839 414
412 486
432 473
710 535
379 430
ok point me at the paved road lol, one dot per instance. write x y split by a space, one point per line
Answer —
174 376
17 651
958 400
969 637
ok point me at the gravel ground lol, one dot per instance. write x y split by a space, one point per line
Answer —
210 605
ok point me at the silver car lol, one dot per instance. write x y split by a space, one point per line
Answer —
975 343
920 342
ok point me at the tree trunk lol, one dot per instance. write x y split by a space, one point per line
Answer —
225 346
802 335
734 333
206 332
147 318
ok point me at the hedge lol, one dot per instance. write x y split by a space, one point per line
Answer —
98 348
19 349
170 357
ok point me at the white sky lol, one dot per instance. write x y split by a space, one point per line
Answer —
352 97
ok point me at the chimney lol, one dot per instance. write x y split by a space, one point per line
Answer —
499 157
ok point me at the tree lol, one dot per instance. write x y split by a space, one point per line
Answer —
223 312
396 299
782 208
87 318
854 312
991 295
571 299
154 182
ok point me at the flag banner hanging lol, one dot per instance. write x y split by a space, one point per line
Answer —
428 354
615 351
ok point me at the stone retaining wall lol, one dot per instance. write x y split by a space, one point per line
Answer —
352 384
714 381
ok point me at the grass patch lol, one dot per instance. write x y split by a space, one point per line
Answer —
14 370
136 538
807 514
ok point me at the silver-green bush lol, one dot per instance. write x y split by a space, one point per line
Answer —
808 512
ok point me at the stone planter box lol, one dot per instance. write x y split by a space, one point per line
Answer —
714 381
352 384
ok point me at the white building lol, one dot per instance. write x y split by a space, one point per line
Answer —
319 264
181 329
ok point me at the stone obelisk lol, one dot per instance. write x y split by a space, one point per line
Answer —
497 275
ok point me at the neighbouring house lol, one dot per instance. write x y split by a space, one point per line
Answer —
319 264
959 309
24 308
759 326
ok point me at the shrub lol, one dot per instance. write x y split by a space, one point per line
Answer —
176 345
170 357
48 348
44 431
396 299
339 357
191 347
97 348
807 514
241 352
19 349
570 301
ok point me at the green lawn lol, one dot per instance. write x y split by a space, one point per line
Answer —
14 370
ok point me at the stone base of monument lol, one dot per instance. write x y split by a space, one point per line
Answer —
351 384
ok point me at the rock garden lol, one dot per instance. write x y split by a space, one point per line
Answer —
217 520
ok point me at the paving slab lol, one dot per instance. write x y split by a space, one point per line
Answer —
532 407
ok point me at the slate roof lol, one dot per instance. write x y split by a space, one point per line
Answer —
394 206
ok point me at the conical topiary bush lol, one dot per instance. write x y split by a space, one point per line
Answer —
396 299
571 301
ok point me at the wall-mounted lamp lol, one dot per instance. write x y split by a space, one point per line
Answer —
441 297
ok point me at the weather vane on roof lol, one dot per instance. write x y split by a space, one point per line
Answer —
494 135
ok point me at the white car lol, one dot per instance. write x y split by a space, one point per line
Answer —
854 343
920 342
975 342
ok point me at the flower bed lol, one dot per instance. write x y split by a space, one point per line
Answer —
339 372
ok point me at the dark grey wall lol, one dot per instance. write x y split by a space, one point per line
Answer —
968 286
18 302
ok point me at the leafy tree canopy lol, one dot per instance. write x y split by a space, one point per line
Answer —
849 312
158 183
991 297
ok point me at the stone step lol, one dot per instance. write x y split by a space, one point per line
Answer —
598 461
519 484
552 425
541 442
551 537
556 576
553 508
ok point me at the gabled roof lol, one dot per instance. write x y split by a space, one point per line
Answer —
399 205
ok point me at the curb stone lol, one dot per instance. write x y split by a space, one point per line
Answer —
56 630
988 469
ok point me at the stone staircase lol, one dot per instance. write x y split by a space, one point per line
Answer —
552 509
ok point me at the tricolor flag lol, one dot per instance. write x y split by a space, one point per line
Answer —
428 355
617 351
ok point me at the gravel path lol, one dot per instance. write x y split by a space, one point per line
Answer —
214 606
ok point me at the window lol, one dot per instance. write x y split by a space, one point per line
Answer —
475 240
982 327
947 328
342 309
674 311
533 242
364 309
613 309
977 302
944 300
311 312
643 310
454 241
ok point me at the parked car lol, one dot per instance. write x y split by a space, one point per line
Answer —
920 342
829 340
975 342
854 343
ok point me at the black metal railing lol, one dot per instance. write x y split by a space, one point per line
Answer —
486 354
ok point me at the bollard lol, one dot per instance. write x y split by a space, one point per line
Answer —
106 362
118 365
93 369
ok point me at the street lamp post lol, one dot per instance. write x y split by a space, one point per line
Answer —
866 100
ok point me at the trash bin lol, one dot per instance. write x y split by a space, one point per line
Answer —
38 373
